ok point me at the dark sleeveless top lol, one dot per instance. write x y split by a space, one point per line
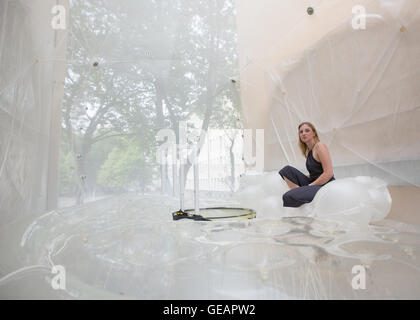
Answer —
314 167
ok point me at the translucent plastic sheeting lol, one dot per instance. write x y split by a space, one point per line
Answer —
85 87
129 247
134 67
32 68
351 68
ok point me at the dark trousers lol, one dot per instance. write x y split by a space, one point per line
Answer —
304 193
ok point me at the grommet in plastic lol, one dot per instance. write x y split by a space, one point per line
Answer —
95 64
310 11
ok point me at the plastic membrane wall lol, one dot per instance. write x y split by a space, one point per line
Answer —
86 88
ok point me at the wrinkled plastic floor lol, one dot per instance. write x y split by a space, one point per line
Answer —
127 246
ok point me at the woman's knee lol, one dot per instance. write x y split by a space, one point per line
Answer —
285 171
288 198
292 199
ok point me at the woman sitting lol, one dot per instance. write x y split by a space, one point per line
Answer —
318 163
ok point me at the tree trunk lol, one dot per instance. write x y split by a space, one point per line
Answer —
232 166
160 96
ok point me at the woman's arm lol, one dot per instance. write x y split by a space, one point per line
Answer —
324 157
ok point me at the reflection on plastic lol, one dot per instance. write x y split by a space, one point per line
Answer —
128 246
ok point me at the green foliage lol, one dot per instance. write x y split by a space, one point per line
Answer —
67 172
126 167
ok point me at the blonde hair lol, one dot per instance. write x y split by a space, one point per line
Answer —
303 147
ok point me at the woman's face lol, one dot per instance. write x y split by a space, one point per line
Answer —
306 133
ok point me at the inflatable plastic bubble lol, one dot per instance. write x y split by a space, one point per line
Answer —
249 196
269 207
82 99
272 184
361 199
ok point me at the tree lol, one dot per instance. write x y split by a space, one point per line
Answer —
136 67
126 167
